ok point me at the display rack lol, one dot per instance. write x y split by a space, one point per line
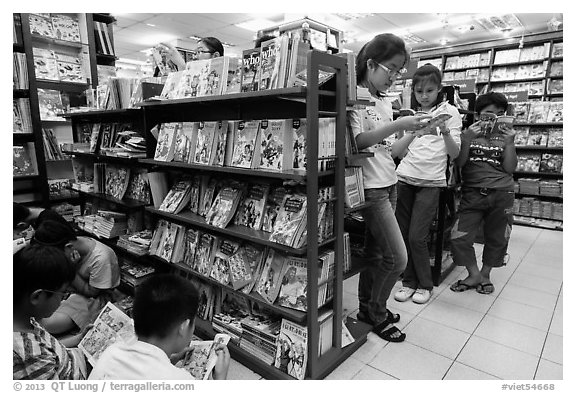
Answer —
298 102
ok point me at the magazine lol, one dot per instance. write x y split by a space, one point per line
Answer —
201 360
292 349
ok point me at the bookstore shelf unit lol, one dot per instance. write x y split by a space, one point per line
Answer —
297 102
74 51
546 85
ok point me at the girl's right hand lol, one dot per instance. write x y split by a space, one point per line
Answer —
413 123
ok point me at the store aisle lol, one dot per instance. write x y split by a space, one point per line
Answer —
514 333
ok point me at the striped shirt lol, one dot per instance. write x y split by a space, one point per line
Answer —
38 355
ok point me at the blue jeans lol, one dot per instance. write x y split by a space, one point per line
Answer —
495 208
415 212
385 252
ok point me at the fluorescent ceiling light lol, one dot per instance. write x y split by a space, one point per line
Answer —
150 24
195 37
352 16
256 24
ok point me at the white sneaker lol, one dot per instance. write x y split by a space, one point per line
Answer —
404 294
421 296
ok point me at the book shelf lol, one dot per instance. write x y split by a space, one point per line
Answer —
61 65
297 102
530 74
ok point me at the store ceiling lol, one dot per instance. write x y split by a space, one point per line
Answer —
134 33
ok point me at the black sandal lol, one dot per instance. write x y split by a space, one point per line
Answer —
387 333
391 317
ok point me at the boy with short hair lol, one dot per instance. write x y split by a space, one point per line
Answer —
164 311
97 275
488 160
26 220
41 275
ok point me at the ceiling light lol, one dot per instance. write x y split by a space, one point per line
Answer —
351 16
256 24
195 37
443 41
499 23
150 24
412 38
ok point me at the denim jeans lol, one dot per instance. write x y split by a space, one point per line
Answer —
496 210
415 212
385 252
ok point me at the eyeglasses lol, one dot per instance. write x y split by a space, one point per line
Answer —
393 74
195 53
62 294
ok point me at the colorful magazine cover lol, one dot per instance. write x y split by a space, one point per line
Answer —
292 349
200 361
251 210
245 143
268 285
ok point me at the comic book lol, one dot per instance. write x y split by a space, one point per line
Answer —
178 197
189 84
291 220
111 326
272 207
209 187
66 28
219 145
292 349
213 82
299 144
195 194
204 254
168 241
250 70
117 179
201 361
240 269
268 285
166 142
269 57
191 240
221 268
255 255
50 105
204 142
41 25
139 186
22 162
244 144
234 76
170 89
45 64
251 209
224 206
293 288
274 136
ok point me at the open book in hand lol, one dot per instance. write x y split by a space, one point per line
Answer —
433 123
490 123
200 360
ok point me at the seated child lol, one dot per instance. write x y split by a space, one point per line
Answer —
41 275
97 274
26 220
164 310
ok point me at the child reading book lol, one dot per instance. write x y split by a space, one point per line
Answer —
421 176
488 161
164 311
41 276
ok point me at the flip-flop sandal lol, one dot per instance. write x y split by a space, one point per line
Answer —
389 334
460 286
391 317
485 289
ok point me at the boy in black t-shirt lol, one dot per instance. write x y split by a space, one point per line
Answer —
488 160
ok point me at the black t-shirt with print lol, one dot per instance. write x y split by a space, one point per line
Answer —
484 165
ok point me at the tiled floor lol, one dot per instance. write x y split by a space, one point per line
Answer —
514 333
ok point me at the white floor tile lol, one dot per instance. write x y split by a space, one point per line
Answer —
540 270
549 371
409 362
369 349
405 317
238 371
452 316
511 334
346 370
556 327
471 300
536 283
370 373
528 297
553 348
435 337
521 313
462 372
498 360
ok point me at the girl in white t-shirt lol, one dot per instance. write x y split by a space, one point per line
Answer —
421 176
378 64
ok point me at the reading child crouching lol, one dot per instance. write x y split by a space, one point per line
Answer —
164 311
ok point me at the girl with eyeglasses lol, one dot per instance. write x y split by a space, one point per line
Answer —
378 64
206 48
421 176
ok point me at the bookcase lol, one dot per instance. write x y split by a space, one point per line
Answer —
321 36
294 102
531 76
60 57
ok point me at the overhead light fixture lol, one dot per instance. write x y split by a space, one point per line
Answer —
150 24
352 16
499 23
195 37
256 24
443 41
412 38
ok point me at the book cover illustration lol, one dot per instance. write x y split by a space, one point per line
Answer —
255 255
177 197
240 269
191 240
551 163
206 301
111 326
220 268
274 135
139 186
83 169
269 56
204 254
234 76
196 72
50 105
214 80
22 164
166 142
224 206
168 242
209 187
219 146
41 25
556 112
293 288
117 178
299 144
204 142
250 70
201 360
195 194
290 219
291 350
181 144
170 89
537 137
555 138
272 208
244 144
45 64
66 28
69 69
268 285
251 210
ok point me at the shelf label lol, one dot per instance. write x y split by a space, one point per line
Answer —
516 96
465 85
